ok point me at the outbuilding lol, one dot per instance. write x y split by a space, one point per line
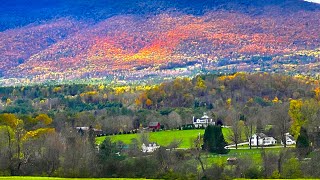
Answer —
154 125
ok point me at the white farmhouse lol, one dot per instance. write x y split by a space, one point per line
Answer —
289 140
150 148
262 140
204 121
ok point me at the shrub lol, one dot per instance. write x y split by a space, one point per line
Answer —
275 175
253 173
291 169
215 172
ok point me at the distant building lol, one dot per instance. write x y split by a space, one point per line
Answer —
232 160
289 139
154 125
85 129
204 121
262 140
150 148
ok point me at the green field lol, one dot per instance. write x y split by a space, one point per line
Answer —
53 178
163 138
253 153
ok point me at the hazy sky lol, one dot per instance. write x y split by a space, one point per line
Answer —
315 1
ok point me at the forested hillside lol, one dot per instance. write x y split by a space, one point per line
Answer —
137 41
36 10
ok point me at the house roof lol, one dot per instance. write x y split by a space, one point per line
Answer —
85 128
290 137
205 116
232 159
261 135
153 123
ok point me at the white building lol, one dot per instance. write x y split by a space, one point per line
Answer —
289 139
262 139
150 148
204 121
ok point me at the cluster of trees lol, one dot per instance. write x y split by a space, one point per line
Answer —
273 165
20 141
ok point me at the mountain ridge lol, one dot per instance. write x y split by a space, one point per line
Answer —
15 12
167 44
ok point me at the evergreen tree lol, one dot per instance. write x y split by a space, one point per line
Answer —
303 143
107 150
208 138
213 140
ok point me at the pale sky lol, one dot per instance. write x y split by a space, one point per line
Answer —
315 1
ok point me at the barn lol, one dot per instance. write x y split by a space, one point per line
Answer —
154 125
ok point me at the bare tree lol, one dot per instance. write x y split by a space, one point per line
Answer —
197 152
311 113
269 162
6 138
236 127
54 147
144 137
12 147
79 157
174 119
250 114
281 120
44 153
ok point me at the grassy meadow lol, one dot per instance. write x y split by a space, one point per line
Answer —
164 138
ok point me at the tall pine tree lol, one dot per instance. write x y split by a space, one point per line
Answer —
213 140
303 143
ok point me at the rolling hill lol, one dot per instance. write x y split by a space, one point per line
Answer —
151 40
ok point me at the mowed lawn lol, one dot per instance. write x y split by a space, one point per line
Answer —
53 178
164 138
